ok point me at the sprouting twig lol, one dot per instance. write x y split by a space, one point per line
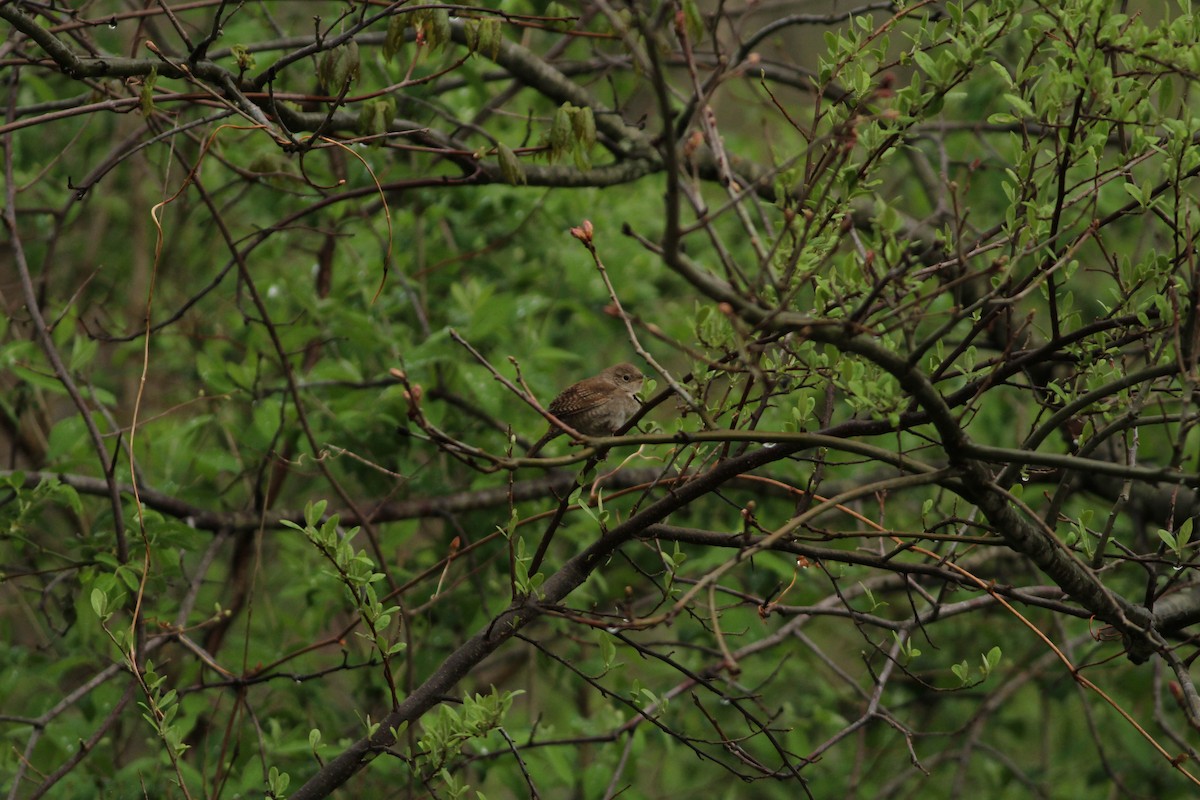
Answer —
584 234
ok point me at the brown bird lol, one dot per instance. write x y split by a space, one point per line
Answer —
596 406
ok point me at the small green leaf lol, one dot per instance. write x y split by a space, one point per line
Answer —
100 603
1185 533
1168 538
471 31
560 132
397 31
992 659
433 24
1135 192
338 67
693 22
510 166
1002 71
583 123
608 650
490 36
313 513
376 117
245 60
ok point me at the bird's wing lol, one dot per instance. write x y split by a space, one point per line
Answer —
580 400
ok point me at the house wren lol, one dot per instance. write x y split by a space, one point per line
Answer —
596 406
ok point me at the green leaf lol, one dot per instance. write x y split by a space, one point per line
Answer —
313 512
376 117
100 603
38 379
1135 192
396 36
1168 538
244 58
490 36
1002 71
560 132
1185 533
338 68
433 24
608 650
583 124
693 21
510 166
992 659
